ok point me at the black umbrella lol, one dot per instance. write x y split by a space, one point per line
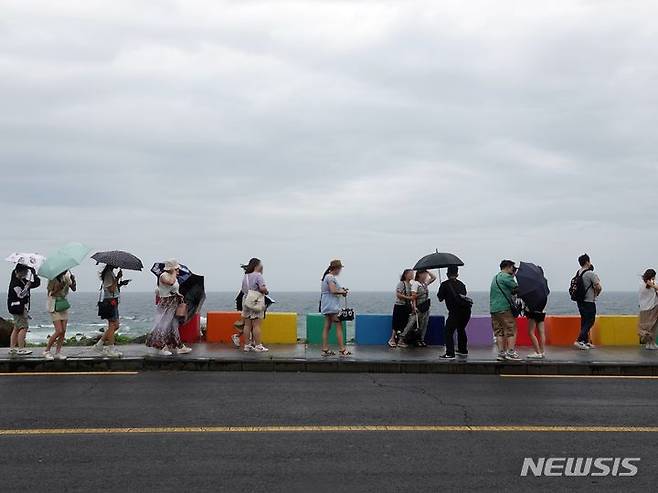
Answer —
438 261
533 286
194 292
117 258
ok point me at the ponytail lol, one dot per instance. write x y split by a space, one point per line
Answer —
326 272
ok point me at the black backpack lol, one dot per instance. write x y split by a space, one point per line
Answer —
577 289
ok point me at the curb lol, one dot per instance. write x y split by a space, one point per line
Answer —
333 366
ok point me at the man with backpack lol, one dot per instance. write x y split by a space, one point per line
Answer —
584 289
504 311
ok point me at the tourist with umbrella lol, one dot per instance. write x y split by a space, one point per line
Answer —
170 309
56 269
108 303
533 291
23 279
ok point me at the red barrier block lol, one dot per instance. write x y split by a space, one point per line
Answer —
220 326
190 332
522 337
563 330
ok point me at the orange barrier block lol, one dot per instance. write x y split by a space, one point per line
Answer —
563 330
219 326
279 328
616 330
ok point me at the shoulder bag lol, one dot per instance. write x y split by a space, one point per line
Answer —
516 306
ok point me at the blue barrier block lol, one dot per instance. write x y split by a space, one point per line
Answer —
435 331
373 330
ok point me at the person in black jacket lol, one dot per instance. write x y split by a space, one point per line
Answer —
453 292
23 279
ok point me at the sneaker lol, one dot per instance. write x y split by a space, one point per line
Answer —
402 344
392 344
447 357
184 350
590 345
99 347
48 355
60 356
260 349
112 352
650 346
581 345
165 352
513 355
248 348
24 352
535 356
13 351
236 340
462 355
501 356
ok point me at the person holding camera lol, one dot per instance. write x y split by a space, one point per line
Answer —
111 285
503 308
23 280
331 293
420 317
459 306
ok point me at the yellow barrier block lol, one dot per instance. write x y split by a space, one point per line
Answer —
616 330
279 328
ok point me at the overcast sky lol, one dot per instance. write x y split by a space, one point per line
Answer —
298 132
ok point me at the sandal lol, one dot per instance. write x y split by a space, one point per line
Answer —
345 352
392 344
328 352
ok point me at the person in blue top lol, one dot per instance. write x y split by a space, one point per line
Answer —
330 307
503 290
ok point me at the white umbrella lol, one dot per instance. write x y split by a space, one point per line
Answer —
33 260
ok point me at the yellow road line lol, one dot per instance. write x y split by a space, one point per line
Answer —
66 373
610 377
329 429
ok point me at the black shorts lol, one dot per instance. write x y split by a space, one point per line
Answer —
536 316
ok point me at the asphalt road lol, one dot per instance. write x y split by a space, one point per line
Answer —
308 460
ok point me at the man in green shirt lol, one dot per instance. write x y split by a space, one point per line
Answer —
503 288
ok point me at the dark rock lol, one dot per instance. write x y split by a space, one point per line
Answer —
6 327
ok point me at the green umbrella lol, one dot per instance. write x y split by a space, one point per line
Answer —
65 258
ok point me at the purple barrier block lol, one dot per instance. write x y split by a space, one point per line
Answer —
479 331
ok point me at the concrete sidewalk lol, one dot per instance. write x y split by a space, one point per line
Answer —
373 359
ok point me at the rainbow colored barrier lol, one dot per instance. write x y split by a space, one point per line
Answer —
616 330
314 326
373 329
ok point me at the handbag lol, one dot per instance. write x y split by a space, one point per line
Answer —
254 301
61 304
461 299
515 304
181 310
106 308
346 314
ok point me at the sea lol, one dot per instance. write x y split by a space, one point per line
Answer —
137 309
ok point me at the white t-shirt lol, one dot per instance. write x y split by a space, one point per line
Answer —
648 297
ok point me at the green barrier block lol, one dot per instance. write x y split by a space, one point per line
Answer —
314 325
